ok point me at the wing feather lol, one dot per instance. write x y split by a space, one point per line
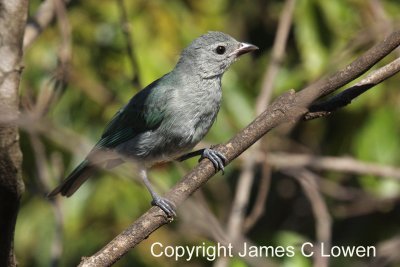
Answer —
144 112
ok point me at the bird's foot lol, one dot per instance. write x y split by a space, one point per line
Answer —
216 158
167 206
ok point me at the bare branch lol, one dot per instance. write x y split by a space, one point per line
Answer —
126 30
40 21
344 98
388 252
359 66
365 204
287 108
239 206
308 182
342 164
278 52
259 206
45 182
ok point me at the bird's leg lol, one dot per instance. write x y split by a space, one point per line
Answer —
216 158
167 206
191 155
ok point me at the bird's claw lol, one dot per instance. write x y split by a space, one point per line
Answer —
167 206
216 158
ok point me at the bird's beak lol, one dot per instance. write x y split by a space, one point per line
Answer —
243 49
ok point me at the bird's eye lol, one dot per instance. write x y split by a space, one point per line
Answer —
220 49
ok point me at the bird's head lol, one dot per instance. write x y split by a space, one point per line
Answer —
211 54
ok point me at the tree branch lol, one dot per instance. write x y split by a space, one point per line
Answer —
41 20
388 252
342 164
278 53
126 30
287 108
344 98
13 16
259 206
323 222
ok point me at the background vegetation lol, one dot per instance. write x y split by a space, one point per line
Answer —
91 43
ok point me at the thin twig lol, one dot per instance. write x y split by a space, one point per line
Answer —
387 252
341 164
239 206
354 70
339 192
45 182
127 31
65 31
53 89
57 243
366 204
344 98
308 182
40 21
262 194
65 47
278 52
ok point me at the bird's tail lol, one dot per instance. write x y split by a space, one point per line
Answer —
77 177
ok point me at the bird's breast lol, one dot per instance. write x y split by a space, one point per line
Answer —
201 108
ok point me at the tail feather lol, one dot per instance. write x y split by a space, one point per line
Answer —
77 177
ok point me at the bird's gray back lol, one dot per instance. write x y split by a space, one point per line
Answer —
190 106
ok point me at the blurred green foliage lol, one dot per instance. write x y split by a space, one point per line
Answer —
326 35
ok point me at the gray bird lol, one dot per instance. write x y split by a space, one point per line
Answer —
167 118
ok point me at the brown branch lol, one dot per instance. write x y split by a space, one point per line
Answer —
262 194
242 196
365 204
40 21
287 108
64 50
388 252
344 98
126 30
278 52
53 89
13 16
339 192
351 72
308 182
342 164
361 203
43 174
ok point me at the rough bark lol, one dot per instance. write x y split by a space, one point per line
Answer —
13 16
